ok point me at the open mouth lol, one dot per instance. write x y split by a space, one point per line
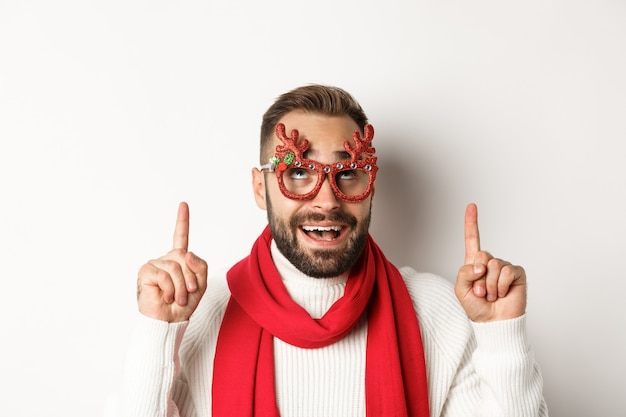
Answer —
325 233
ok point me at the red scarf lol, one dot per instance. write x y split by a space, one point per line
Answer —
260 308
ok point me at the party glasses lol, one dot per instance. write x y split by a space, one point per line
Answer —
301 179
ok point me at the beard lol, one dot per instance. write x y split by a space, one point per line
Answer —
318 263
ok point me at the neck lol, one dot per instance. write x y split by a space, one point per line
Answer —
315 295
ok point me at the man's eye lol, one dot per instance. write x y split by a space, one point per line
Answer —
298 173
346 175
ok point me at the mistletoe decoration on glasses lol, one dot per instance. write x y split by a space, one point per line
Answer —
282 165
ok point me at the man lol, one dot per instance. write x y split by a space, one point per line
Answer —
315 321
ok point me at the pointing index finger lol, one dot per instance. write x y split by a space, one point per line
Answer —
181 231
472 236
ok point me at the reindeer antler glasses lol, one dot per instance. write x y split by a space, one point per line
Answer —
301 179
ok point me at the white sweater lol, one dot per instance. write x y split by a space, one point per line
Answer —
473 369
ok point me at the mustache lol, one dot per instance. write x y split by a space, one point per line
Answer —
337 217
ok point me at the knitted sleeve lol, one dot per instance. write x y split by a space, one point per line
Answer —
152 366
474 369
169 365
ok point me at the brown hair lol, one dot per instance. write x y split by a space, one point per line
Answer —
315 98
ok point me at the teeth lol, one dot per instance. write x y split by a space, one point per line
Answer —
321 228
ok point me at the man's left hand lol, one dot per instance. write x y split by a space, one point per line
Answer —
488 288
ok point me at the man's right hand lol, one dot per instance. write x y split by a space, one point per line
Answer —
169 288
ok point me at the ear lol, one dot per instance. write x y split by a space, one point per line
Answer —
258 188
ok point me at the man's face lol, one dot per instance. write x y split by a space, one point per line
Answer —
324 236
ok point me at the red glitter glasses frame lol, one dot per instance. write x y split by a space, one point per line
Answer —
289 155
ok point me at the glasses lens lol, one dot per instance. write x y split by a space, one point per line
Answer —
299 181
352 182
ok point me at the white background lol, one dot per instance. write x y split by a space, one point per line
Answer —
113 112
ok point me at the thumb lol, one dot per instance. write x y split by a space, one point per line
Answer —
198 266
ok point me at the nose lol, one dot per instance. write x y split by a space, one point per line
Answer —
326 199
